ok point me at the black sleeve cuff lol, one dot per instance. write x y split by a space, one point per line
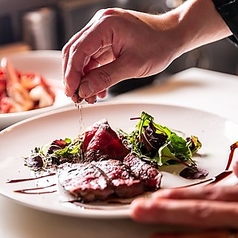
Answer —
228 9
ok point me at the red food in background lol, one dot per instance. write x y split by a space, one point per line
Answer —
22 91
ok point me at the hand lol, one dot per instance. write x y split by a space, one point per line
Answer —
119 44
201 207
207 207
115 45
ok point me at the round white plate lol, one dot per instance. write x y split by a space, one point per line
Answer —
16 142
48 64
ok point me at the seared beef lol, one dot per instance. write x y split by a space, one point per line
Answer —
102 142
84 181
147 173
99 180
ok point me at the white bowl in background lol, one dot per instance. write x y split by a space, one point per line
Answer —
48 64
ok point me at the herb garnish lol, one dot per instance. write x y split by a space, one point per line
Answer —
160 145
58 152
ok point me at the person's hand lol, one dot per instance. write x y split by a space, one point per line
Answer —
115 45
207 207
120 44
201 207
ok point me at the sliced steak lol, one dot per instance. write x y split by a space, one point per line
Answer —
84 181
147 173
99 180
125 184
102 142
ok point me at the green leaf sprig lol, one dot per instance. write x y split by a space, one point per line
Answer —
160 144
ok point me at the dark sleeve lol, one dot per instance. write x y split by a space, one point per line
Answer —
228 9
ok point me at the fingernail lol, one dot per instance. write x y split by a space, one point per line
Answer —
85 89
76 98
91 100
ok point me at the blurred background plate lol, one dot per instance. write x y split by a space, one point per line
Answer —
48 64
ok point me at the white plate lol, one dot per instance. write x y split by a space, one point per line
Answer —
48 64
16 142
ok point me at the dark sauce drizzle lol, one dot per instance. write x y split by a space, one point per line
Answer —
33 190
233 147
224 173
29 179
213 180
29 190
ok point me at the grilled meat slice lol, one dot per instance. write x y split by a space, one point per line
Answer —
147 173
124 183
102 142
84 181
99 180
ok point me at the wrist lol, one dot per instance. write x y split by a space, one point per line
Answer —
198 24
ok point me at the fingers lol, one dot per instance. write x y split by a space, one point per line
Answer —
105 53
77 59
194 213
102 57
219 193
89 49
208 234
105 76
81 61
75 37
77 54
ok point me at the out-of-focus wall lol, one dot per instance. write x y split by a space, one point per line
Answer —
11 12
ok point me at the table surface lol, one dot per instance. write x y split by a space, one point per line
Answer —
196 88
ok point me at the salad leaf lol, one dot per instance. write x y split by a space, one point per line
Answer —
160 144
